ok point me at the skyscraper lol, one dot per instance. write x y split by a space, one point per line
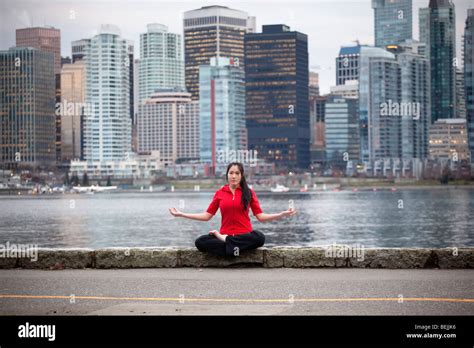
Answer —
136 98
384 128
277 110
395 103
131 79
415 99
72 109
347 64
213 31
392 21
349 89
438 32
469 77
317 109
460 95
47 39
168 122
366 95
107 129
313 84
161 63
341 129
78 49
27 98
222 110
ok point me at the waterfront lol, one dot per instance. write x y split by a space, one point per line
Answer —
405 218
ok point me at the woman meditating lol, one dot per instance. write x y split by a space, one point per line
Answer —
234 200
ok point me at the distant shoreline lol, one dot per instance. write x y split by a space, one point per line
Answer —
330 188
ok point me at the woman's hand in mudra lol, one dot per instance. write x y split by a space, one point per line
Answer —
213 232
262 217
175 212
289 212
218 235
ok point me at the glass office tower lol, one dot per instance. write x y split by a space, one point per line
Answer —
222 110
393 21
437 31
277 108
27 108
213 31
469 77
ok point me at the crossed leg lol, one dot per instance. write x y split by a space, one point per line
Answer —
233 245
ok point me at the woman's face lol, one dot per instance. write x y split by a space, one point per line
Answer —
234 176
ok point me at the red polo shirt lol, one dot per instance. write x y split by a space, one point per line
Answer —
235 220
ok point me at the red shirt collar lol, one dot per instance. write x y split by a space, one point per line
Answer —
227 188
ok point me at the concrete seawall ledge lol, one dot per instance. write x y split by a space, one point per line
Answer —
336 256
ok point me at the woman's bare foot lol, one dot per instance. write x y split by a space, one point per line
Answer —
218 235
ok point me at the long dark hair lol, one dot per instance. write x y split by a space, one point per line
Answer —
246 193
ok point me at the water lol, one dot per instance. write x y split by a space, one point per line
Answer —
438 217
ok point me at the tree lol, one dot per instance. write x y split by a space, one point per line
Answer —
85 179
445 175
75 180
67 182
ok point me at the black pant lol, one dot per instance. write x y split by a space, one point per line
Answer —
233 245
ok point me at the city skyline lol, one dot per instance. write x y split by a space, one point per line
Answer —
276 66
336 23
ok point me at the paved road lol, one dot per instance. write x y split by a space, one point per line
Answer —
238 291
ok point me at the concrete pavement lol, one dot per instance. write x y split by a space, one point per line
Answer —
239 291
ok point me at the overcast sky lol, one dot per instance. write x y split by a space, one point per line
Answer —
328 23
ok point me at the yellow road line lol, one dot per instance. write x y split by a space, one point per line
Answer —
287 300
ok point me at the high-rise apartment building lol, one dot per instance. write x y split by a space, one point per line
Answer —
161 64
107 126
168 122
